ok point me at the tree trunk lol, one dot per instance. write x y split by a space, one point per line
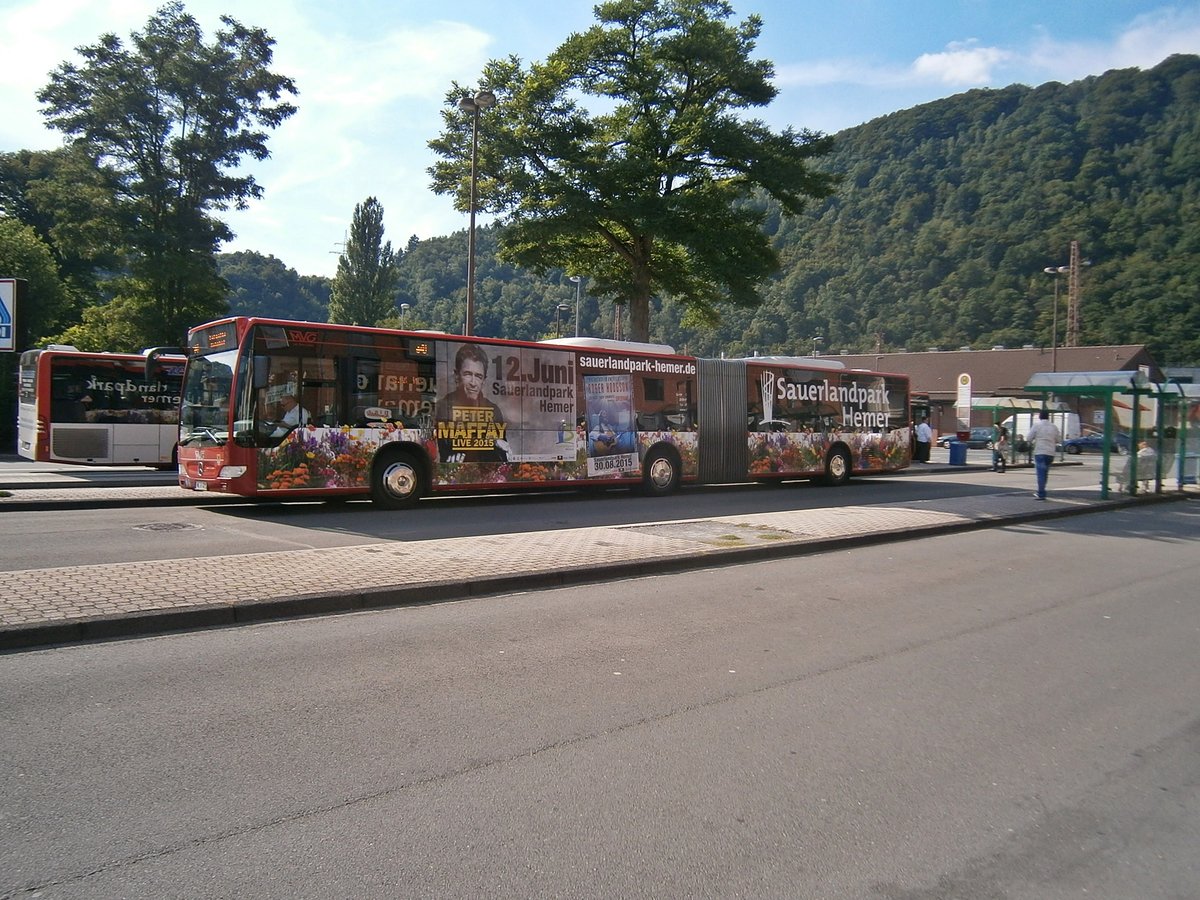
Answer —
639 302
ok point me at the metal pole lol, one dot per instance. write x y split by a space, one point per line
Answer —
469 326
1054 331
578 279
1055 271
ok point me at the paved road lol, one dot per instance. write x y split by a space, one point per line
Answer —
852 724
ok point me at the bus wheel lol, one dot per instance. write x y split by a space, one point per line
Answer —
396 481
660 473
837 468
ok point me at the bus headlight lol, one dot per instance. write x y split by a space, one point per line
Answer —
231 472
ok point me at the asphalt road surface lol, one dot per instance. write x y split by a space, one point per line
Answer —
1007 713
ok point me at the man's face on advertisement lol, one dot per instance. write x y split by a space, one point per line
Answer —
470 378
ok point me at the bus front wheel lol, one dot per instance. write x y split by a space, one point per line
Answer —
396 481
660 473
837 468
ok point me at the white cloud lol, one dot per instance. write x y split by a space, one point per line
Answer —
826 72
1155 36
366 112
1146 41
961 64
367 105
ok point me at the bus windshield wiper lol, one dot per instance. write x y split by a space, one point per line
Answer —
202 433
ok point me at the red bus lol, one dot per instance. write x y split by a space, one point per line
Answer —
99 409
279 409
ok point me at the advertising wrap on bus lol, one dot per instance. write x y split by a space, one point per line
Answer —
99 408
274 408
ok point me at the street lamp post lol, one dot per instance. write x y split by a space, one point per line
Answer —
578 279
474 105
816 340
404 308
1055 271
558 311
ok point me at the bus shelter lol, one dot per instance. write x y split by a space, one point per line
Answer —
1180 405
1157 416
1003 408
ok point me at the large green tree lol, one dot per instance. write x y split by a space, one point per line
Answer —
641 193
72 206
24 254
170 118
364 288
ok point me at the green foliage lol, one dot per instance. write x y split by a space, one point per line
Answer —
263 286
167 119
948 212
364 287
72 206
23 254
945 217
641 196
116 324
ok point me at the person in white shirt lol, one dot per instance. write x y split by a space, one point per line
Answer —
1044 438
924 442
293 414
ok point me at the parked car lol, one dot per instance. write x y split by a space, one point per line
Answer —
981 437
1094 443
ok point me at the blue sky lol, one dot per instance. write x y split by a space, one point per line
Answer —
372 75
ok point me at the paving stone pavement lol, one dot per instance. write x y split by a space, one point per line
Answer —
46 606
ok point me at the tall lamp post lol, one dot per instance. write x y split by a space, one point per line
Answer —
816 340
578 279
404 308
1055 271
474 105
558 311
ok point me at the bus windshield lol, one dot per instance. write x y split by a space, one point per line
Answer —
207 388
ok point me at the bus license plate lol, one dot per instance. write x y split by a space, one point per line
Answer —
202 485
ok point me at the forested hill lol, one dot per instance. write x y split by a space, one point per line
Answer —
938 235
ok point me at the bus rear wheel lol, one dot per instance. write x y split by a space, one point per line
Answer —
396 481
837 467
660 473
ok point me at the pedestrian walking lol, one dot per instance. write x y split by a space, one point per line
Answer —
999 448
1043 439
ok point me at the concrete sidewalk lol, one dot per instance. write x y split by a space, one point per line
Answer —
79 603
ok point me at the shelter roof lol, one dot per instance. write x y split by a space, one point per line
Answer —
1098 384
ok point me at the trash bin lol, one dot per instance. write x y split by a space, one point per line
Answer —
958 453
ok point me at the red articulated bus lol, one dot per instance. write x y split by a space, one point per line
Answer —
280 409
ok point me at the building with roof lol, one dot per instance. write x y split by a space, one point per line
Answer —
998 372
